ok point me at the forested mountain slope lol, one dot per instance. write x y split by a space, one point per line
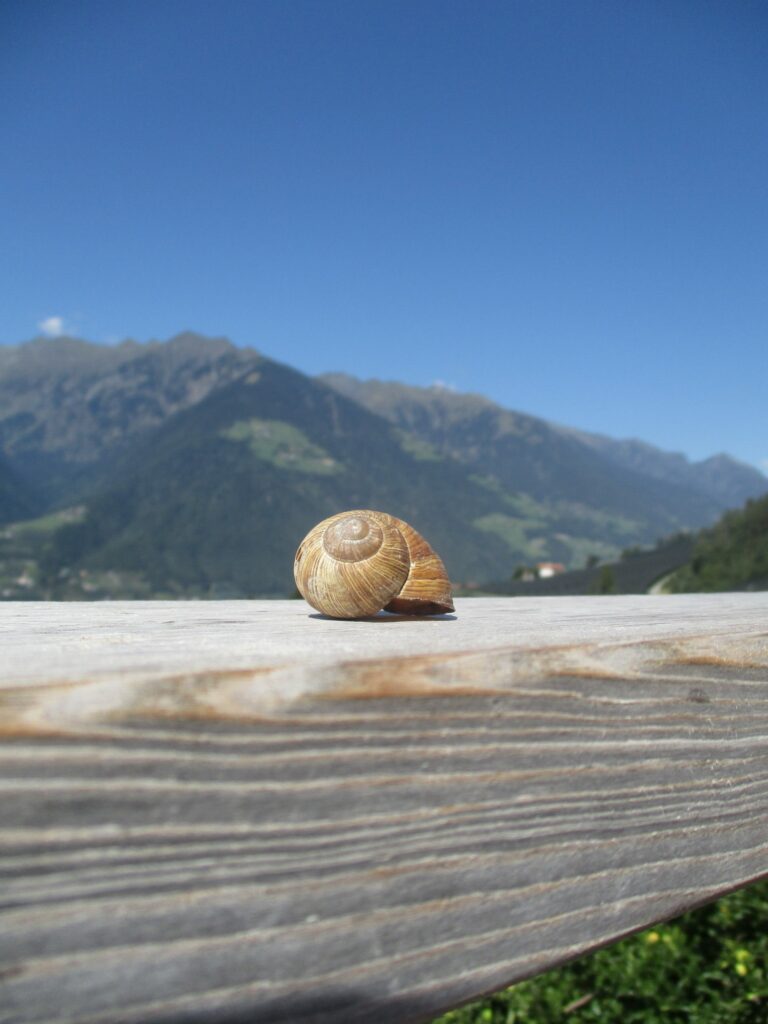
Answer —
733 555
655 491
195 467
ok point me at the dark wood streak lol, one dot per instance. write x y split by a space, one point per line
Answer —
405 832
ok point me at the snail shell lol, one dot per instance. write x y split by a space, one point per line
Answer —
356 563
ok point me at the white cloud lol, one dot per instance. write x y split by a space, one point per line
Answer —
441 385
52 326
763 465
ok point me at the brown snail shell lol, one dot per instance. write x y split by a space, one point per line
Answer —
356 563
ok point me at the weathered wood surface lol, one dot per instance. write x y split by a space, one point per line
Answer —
239 811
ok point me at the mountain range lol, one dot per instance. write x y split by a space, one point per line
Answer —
198 466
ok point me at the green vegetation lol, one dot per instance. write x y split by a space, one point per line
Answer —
21 549
603 524
733 555
25 571
45 525
416 446
709 966
513 532
604 582
522 505
281 444
562 531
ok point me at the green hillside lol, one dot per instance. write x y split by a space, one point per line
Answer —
733 555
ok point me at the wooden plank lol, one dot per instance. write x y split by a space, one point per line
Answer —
239 811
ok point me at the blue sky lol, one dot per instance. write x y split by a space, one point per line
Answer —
562 205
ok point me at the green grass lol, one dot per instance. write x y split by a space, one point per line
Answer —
513 532
283 445
522 505
709 966
47 523
561 532
420 449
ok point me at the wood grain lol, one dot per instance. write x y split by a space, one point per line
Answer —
240 811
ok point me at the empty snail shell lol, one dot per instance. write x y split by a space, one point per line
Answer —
356 563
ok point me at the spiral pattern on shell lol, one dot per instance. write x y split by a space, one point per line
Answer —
356 563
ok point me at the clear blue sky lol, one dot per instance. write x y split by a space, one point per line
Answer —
562 205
